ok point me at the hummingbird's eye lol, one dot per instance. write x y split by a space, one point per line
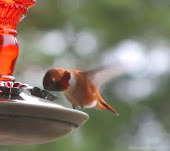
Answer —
52 81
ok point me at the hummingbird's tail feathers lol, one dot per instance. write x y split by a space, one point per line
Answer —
102 105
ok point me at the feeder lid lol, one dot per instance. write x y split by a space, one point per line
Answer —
27 119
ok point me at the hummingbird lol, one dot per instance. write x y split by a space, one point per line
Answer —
80 88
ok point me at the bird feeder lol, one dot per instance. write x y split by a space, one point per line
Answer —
28 115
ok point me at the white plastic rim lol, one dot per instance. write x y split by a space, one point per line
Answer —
32 120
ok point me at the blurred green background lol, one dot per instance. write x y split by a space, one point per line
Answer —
85 34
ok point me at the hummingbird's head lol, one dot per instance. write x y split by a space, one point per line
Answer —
56 80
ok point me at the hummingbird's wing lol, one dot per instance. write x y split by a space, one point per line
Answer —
104 74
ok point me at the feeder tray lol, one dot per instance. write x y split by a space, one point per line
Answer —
28 119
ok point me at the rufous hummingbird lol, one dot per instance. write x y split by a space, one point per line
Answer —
79 87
